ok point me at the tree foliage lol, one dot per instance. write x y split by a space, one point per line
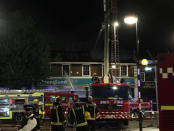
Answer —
23 53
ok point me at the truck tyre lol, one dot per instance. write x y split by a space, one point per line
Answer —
18 117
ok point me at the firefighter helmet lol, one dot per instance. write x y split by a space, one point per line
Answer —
35 101
94 74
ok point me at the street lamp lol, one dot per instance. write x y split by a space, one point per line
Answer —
130 20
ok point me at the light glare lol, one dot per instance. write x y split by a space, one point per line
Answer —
130 20
113 66
116 24
147 68
114 88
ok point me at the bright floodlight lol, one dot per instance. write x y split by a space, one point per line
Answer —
114 87
144 62
148 68
113 66
116 24
130 20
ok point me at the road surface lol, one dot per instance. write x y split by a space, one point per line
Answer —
148 125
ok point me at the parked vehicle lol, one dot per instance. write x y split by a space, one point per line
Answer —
12 104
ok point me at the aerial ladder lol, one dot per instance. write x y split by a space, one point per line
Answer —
111 43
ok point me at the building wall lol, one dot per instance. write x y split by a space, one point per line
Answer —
79 74
76 69
96 68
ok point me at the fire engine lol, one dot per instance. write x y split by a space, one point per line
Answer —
165 76
112 101
12 103
66 100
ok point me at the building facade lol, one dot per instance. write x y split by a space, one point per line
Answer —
77 75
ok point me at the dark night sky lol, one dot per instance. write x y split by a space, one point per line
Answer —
75 24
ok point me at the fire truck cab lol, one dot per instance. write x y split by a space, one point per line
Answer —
112 101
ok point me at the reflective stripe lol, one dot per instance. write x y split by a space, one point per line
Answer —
37 94
82 124
57 115
48 104
91 119
56 123
74 115
167 108
10 116
18 111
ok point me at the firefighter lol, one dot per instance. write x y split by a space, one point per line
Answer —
57 116
36 110
77 117
29 123
95 79
91 110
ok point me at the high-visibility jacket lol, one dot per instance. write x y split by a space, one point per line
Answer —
91 108
77 115
57 115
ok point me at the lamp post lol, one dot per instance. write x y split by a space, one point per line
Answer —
130 20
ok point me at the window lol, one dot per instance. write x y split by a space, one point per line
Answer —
131 71
150 75
86 70
70 99
142 77
63 99
66 70
124 70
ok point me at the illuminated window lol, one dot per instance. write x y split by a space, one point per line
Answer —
86 70
124 70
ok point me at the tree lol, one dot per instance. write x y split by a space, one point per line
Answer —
23 53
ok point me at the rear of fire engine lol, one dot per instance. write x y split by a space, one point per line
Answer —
112 102
165 72
67 100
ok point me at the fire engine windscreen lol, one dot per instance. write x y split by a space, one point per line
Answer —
110 91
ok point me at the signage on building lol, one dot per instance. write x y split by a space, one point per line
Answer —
129 81
148 84
65 82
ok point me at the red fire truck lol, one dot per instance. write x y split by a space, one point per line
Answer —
66 100
112 101
165 76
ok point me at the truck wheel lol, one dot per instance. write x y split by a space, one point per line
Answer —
126 122
18 117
